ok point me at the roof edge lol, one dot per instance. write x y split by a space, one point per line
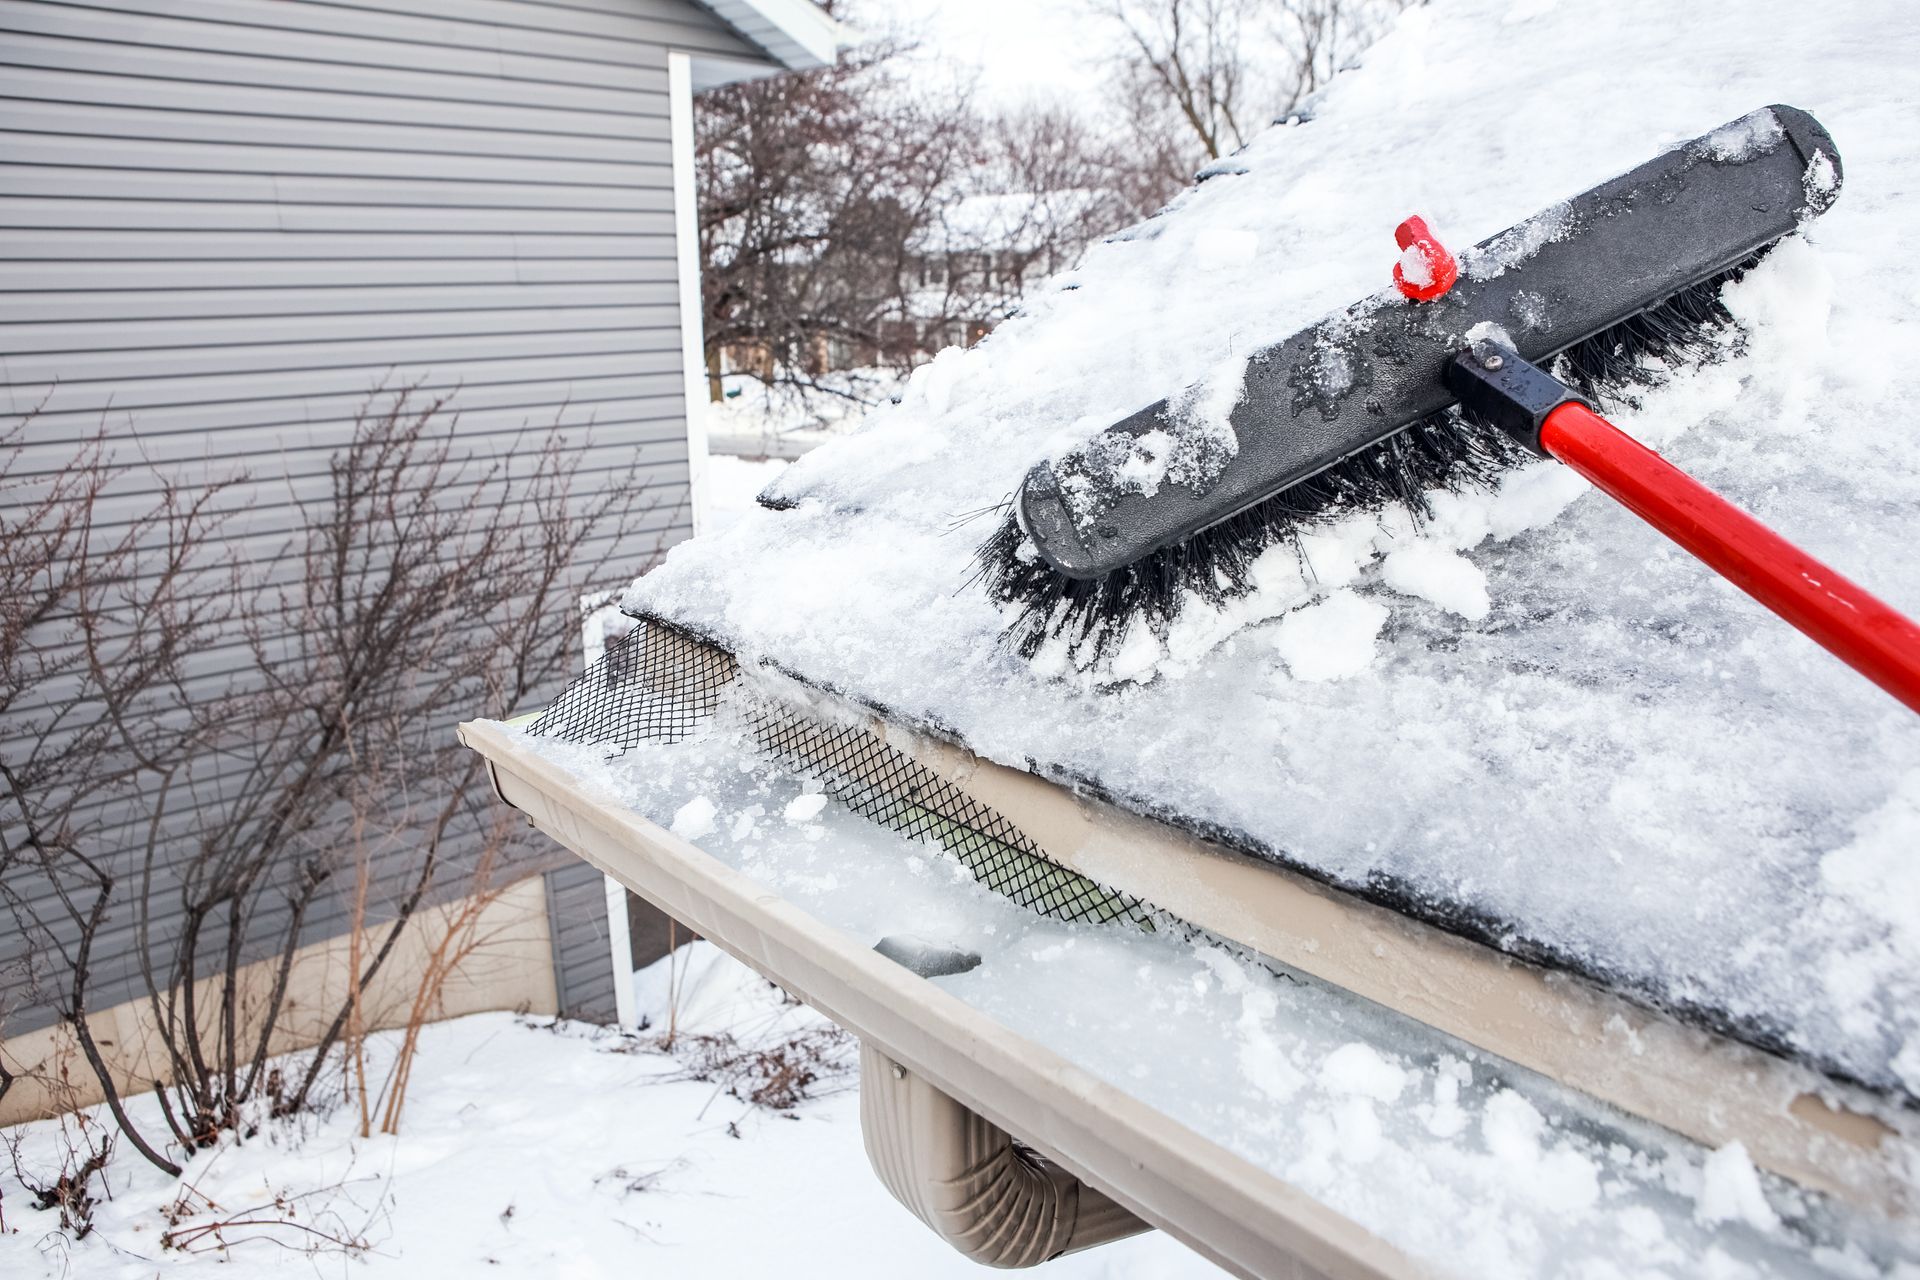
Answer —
797 34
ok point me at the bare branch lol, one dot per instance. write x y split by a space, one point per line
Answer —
423 584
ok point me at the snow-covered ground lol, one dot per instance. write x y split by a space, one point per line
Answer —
732 484
544 1150
753 420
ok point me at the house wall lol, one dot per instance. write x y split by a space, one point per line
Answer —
225 223
584 981
512 967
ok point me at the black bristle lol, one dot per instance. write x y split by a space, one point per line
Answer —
1640 352
1444 451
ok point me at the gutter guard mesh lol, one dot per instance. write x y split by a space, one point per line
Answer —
659 684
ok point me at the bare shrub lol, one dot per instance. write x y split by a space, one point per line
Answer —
778 1074
308 1223
765 1060
82 1148
96 624
422 583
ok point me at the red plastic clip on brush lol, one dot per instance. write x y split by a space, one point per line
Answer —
1863 631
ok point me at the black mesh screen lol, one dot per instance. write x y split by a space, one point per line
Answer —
653 684
656 684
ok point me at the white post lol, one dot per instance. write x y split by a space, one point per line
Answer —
622 945
686 237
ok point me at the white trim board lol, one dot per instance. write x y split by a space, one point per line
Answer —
620 939
686 235
797 32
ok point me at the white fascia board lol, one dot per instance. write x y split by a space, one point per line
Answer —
802 36
686 240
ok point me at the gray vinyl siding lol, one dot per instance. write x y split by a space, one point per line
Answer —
577 914
225 223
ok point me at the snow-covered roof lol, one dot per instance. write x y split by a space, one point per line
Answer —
1532 719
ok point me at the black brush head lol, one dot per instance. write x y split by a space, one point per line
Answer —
1610 289
1443 451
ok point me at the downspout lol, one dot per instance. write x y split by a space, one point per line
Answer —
993 1200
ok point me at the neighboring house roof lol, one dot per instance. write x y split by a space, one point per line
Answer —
1548 729
797 34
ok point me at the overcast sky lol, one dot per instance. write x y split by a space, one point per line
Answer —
1020 49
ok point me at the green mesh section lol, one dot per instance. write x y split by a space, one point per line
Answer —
658 684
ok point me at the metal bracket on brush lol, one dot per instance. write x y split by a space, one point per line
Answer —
1494 383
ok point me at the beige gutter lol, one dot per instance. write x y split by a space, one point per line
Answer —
1138 1158
1793 1120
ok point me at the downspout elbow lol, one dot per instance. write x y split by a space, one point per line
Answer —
990 1198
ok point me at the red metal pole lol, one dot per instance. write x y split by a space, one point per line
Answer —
1874 639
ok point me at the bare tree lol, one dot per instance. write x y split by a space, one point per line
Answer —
812 190
1198 78
424 584
1185 55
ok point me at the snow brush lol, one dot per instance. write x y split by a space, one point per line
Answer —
1443 384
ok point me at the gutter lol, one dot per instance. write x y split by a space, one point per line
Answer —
939 1130
1793 1120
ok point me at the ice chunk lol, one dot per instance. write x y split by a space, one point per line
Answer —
925 957
694 819
1556 1176
1511 1128
1415 269
805 808
1730 1191
1330 639
1358 1127
1431 572
1358 1069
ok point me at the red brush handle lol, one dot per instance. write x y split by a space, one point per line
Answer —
1862 631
